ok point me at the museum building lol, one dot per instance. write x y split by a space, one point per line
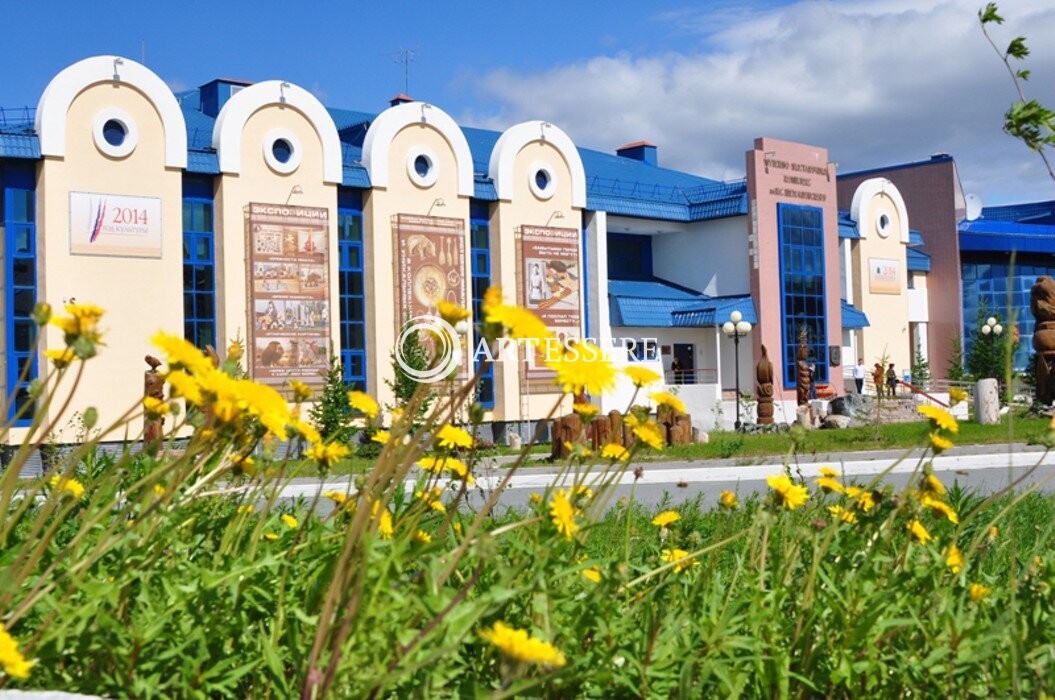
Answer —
253 212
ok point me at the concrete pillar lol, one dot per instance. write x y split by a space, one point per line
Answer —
987 402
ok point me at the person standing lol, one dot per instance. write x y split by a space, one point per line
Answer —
813 381
877 379
859 375
891 380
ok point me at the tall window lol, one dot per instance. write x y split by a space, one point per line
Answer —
199 263
19 230
802 287
352 287
480 240
629 256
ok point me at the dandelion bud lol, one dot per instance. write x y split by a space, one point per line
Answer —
42 313
90 417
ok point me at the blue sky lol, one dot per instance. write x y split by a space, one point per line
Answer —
875 81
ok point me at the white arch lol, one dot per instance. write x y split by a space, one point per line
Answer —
227 132
393 120
57 97
861 206
513 139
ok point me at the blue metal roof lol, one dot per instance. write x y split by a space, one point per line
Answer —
1006 236
657 303
918 261
847 226
1033 212
615 183
915 238
853 318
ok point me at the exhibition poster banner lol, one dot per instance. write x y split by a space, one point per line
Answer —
883 276
289 303
115 225
551 286
429 268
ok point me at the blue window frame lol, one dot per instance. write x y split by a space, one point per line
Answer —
19 230
199 263
480 245
352 287
802 287
629 256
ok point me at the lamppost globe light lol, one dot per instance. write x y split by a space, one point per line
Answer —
728 328
987 329
735 317
998 329
991 321
743 327
461 327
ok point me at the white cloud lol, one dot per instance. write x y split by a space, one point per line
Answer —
875 82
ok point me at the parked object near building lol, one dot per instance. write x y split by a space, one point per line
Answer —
1042 304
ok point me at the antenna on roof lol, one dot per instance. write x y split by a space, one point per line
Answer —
974 206
406 57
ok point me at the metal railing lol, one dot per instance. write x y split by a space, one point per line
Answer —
691 376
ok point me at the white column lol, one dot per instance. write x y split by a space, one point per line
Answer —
848 291
718 356
596 265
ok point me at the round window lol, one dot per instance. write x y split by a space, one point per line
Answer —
282 150
422 166
883 225
541 180
114 132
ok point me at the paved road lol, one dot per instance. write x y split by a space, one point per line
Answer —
984 469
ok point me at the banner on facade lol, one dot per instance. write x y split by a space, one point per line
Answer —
289 300
115 225
550 284
883 276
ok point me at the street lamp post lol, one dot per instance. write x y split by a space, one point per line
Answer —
736 328
991 326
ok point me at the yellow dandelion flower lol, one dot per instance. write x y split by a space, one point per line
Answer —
363 403
451 437
665 398
519 646
847 516
829 472
646 430
954 559
641 376
864 501
593 574
616 452
452 313
290 521
940 508
67 487
82 323
728 500
957 395
61 358
235 350
159 490
939 444
381 436
338 497
182 354
245 509
918 532
678 557
993 533
422 537
667 517
978 592
535 498
327 455
301 391
385 527
155 408
270 536
459 469
582 367
520 324
586 411
244 463
939 418
790 494
432 464
12 661
185 386
931 484
829 485
562 513
307 431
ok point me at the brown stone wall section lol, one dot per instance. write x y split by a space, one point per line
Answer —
933 196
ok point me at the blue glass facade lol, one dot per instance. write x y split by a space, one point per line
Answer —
199 263
352 286
629 256
480 252
802 287
19 230
988 276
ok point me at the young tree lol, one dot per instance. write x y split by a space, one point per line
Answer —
404 386
990 354
954 371
920 369
331 414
